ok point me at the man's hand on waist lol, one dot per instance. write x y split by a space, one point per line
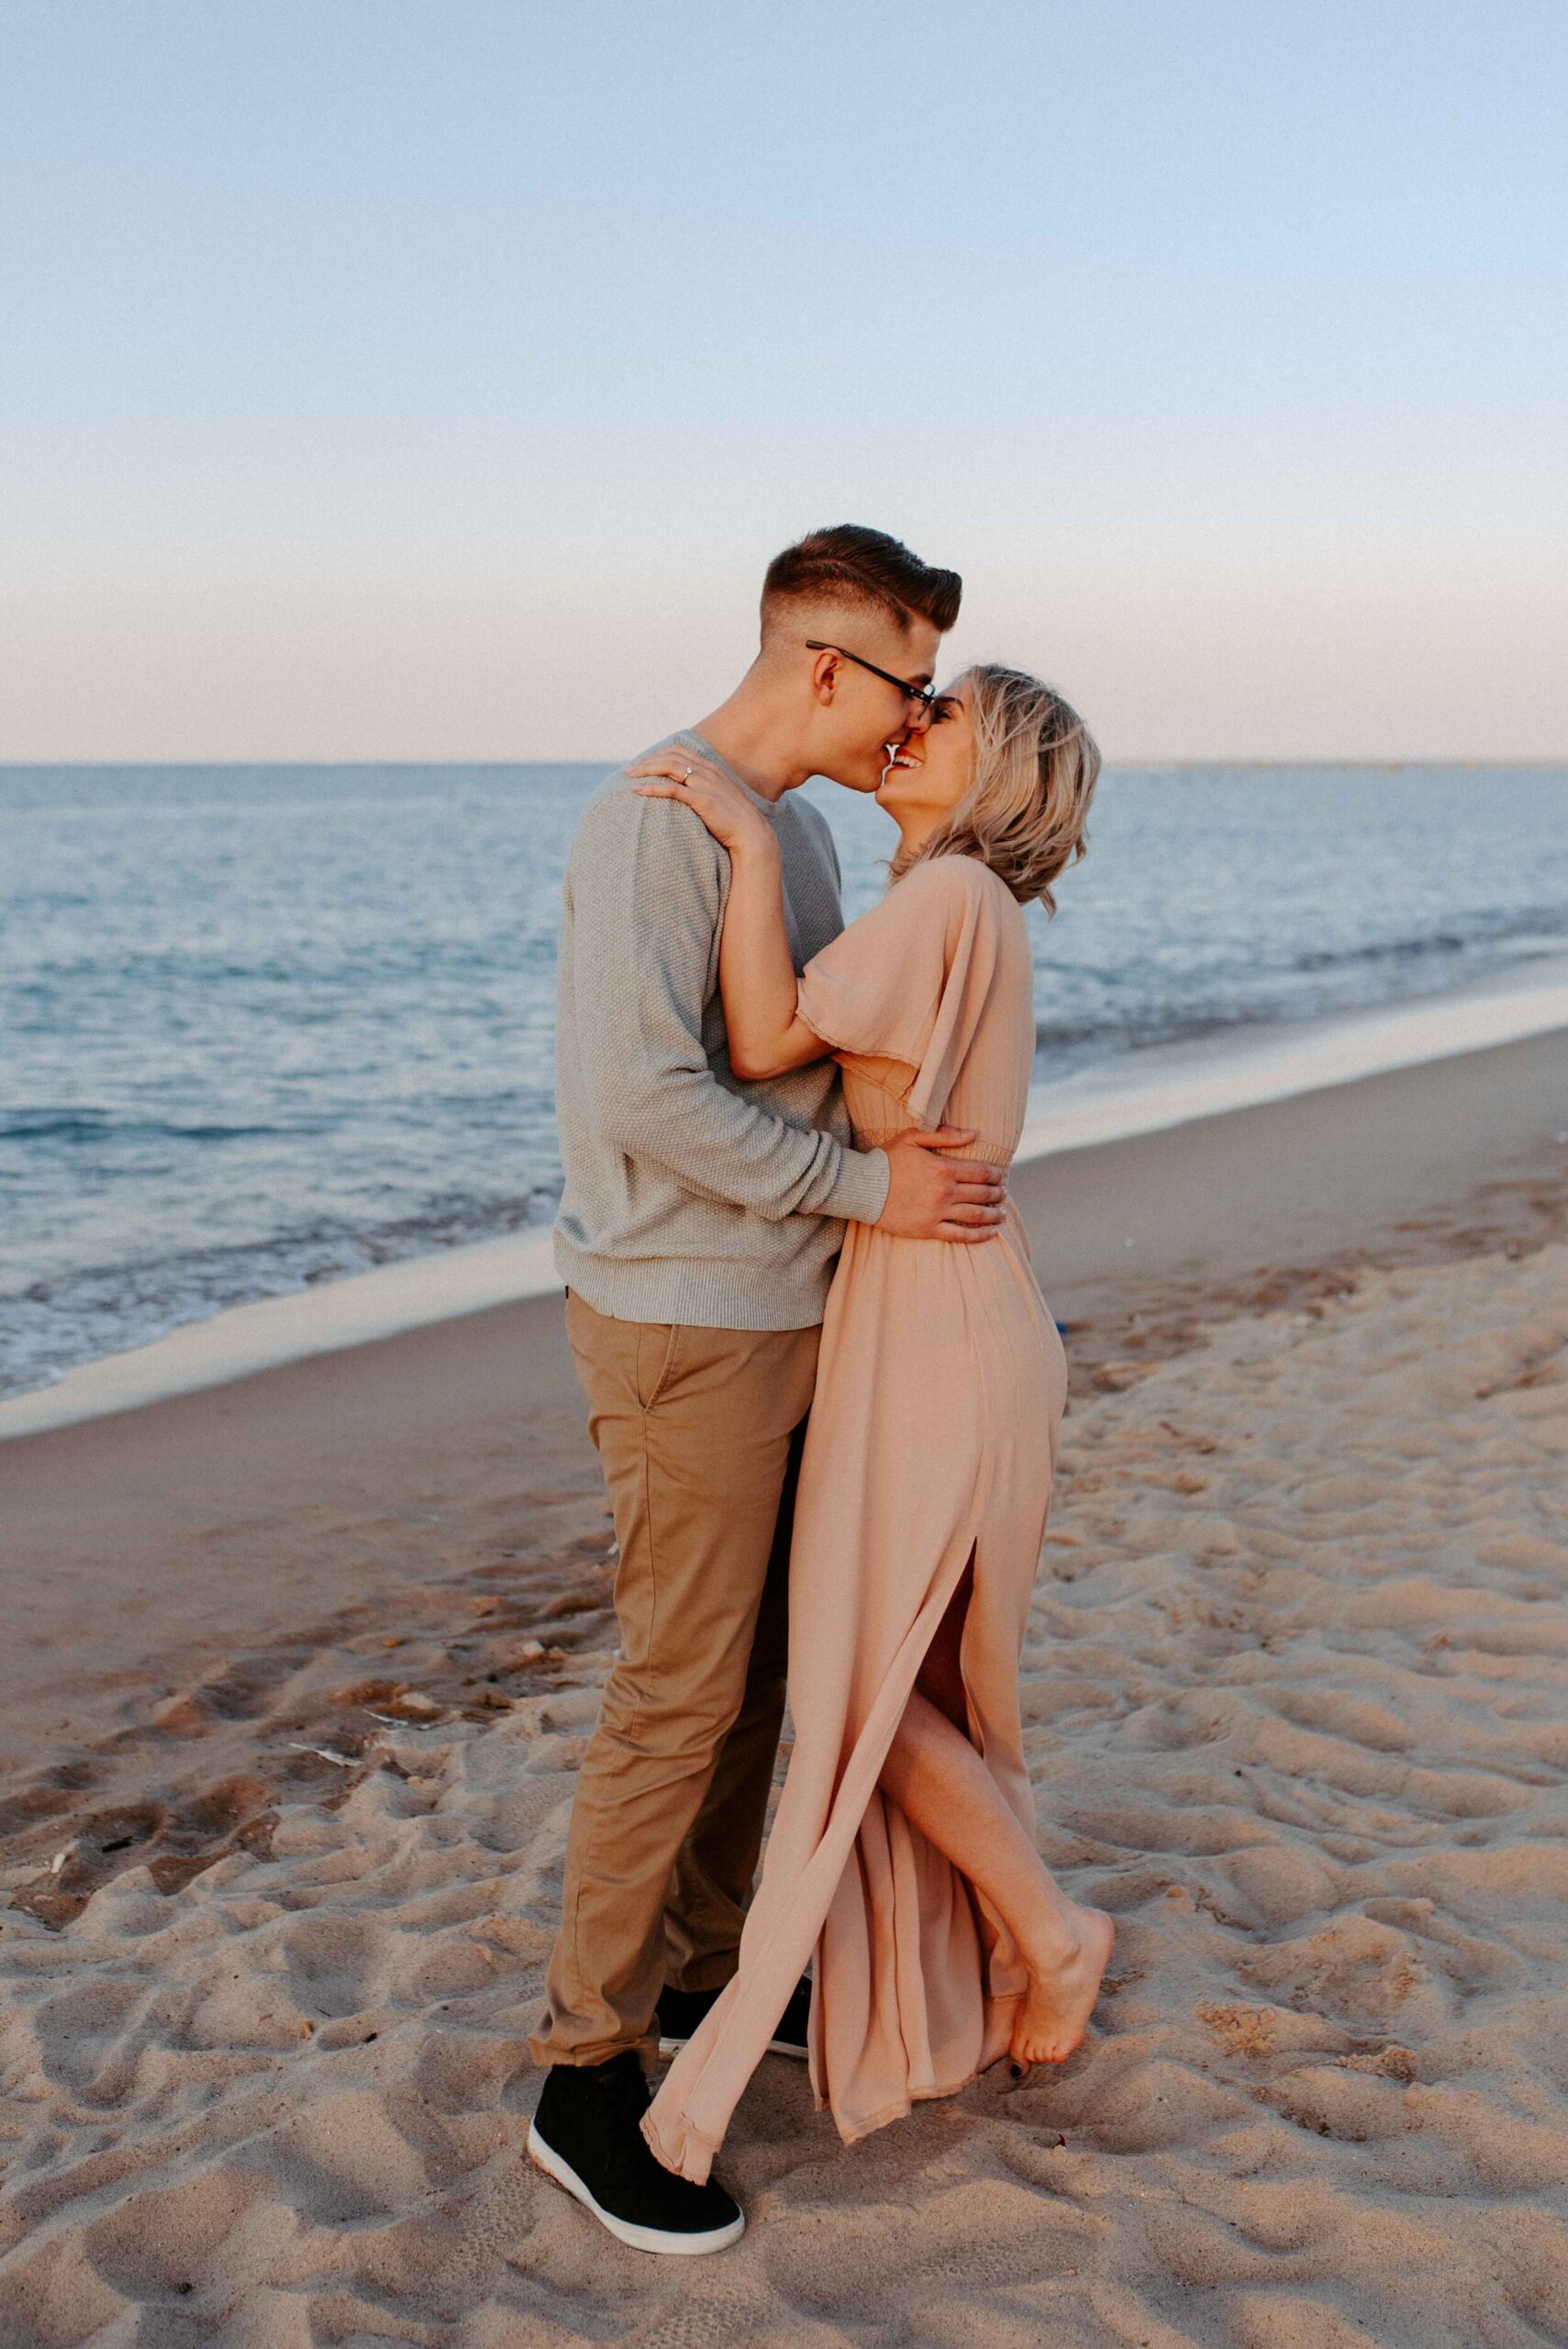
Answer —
934 1195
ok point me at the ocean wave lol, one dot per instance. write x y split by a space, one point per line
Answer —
84 1124
1369 973
50 1325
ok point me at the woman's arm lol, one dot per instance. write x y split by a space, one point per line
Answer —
756 976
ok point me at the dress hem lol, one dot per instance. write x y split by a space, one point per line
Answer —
902 2108
698 2148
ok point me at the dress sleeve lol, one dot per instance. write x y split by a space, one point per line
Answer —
900 992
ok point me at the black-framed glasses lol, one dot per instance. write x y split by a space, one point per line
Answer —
925 695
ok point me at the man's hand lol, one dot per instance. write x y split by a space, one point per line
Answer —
934 1196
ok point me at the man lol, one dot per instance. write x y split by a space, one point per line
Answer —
696 1236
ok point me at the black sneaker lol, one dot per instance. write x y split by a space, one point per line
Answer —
680 2011
585 2135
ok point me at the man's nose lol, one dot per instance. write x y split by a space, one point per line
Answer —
917 724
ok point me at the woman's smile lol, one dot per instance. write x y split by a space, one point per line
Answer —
929 772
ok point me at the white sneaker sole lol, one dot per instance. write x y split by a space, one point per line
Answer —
775 2047
655 2239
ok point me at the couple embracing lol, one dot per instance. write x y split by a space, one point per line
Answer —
825 1391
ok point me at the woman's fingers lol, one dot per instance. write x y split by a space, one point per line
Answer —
972 1235
679 787
677 767
668 791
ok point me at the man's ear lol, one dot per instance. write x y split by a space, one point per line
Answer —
825 677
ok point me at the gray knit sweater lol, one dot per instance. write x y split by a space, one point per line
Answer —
691 1195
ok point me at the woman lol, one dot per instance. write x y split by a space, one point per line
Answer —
902 1851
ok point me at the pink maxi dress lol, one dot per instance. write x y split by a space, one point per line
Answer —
932 1439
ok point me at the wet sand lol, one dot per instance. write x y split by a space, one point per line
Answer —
297 1671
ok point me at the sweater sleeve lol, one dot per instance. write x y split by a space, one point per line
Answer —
646 886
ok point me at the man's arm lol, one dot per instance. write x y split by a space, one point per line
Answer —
648 888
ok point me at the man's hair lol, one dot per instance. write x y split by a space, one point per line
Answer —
864 569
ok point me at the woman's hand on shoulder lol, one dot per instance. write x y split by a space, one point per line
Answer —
709 793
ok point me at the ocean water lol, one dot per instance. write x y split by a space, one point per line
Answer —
265 1026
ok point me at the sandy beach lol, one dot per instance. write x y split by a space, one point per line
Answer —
297 1671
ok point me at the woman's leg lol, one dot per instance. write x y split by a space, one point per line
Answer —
943 1788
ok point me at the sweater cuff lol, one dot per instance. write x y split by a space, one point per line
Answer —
861 1192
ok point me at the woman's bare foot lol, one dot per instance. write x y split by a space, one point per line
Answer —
1065 1981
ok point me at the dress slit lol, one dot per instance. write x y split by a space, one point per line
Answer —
787 1939
961 1718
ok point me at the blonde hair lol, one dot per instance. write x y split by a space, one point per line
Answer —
1036 765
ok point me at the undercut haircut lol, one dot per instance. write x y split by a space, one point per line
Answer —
866 571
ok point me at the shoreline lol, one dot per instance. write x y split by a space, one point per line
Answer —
1146 1093
223 1520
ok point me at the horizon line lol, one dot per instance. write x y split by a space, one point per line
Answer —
1383 762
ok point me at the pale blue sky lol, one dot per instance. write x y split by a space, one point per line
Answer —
432 378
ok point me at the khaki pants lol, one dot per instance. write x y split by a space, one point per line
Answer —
699 1433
